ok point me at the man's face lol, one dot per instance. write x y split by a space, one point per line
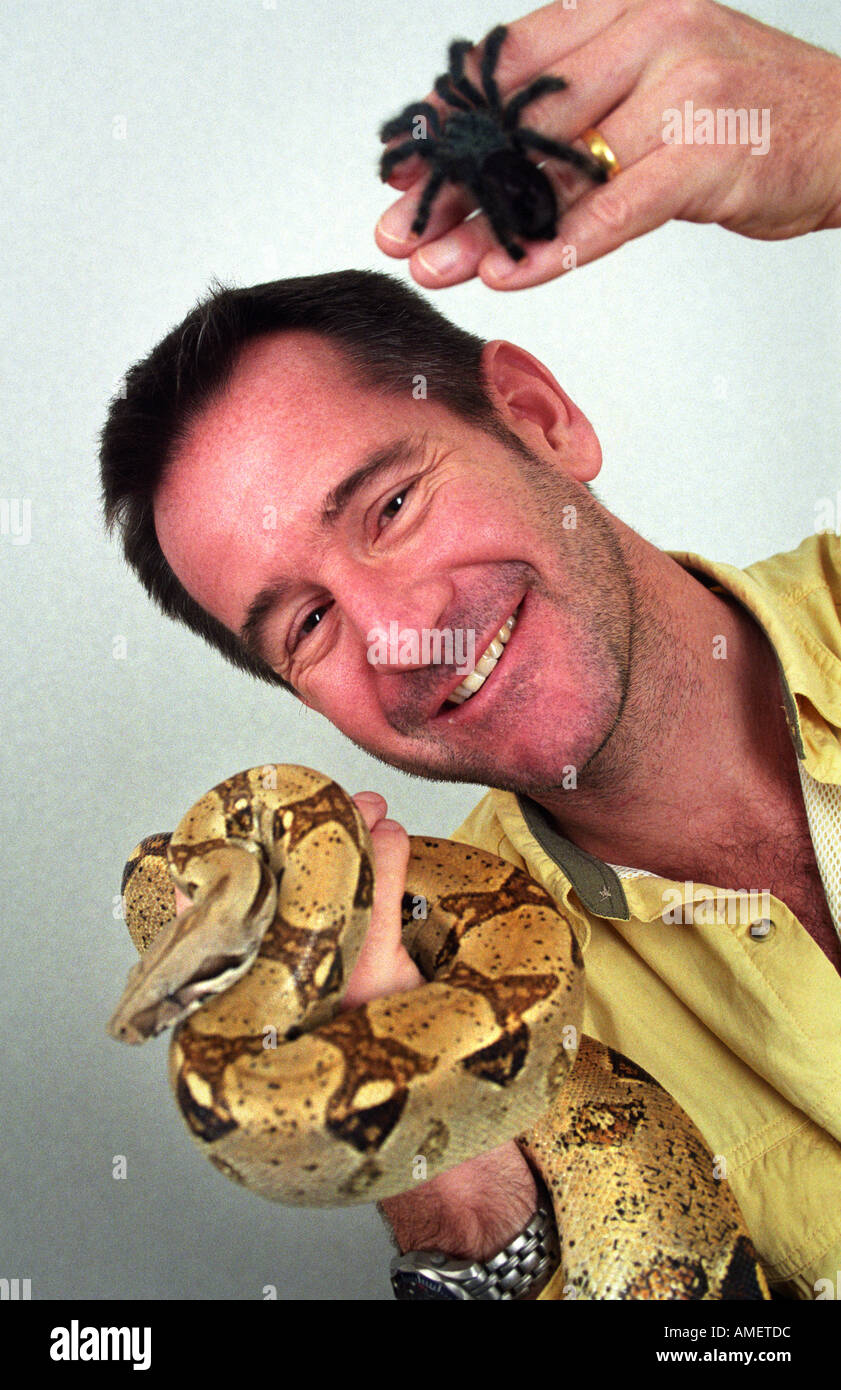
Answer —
451 529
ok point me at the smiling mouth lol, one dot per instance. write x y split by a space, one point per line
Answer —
485 666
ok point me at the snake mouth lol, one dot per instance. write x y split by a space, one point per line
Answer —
471 688
212 970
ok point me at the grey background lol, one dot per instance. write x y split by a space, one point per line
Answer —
707 363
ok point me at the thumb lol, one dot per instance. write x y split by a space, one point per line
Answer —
384 965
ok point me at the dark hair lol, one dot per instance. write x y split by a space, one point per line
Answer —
390 336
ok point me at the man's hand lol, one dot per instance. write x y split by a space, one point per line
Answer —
628 64
475 1209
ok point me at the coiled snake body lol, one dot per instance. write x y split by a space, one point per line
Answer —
308 1105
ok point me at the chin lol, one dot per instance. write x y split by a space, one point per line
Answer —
521 774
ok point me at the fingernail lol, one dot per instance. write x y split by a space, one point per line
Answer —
499 265
440 257
395 223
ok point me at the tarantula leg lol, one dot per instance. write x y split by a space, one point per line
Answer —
447 92
539 88
458 49
498 218
532 140
398 125
433 185
490 58
391 158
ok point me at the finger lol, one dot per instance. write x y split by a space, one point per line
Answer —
601 78
384 966
391 857
407 171
182 902
642 198
454 258
535 43
394 234
371 806
408 175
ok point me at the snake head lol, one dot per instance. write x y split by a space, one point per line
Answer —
202 951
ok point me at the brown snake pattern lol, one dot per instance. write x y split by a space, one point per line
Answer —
308 1105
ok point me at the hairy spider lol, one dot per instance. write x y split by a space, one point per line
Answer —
481 145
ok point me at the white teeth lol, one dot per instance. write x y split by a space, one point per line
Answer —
473 682
485 665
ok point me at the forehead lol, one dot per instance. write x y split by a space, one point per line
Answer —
292 421
284 386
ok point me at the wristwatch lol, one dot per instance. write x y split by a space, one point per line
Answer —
524 1266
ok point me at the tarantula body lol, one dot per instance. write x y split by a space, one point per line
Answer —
474 151
480 145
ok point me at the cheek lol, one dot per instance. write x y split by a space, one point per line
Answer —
342 691
473 529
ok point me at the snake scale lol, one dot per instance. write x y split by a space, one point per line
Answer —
309 1105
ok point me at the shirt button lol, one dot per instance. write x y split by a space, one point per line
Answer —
761 930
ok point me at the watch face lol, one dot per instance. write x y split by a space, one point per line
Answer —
412 1284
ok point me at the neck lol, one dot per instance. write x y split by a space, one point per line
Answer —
700 759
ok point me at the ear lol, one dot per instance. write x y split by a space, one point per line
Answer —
533 405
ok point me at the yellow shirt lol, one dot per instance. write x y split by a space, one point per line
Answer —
744 1030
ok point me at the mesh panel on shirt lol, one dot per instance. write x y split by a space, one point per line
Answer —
823 810
622 871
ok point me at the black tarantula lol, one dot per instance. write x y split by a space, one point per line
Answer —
480 145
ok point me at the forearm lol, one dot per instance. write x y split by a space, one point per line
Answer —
471 1211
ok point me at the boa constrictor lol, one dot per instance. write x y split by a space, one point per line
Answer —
308 1105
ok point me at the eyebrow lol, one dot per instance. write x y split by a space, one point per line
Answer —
336 502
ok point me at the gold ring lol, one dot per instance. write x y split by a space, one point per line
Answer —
601 152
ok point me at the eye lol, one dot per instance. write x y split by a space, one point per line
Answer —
310 623
396 502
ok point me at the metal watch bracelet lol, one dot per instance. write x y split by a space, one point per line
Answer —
527 1260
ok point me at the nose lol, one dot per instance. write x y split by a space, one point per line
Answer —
392 613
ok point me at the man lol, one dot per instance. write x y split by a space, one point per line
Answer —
651 728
